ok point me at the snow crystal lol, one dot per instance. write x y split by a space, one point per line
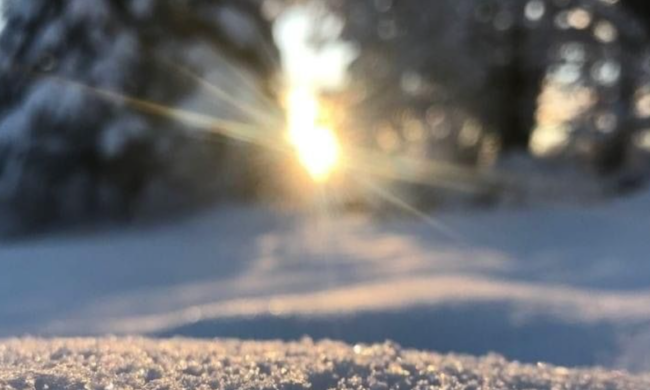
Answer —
186 364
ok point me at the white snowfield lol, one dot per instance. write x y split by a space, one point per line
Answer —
112 364
563 285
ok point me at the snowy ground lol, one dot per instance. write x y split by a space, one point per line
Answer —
568 286
107 364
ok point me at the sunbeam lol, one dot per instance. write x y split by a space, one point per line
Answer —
268 116
211 125
315 146
413 211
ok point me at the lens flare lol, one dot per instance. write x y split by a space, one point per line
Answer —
316 144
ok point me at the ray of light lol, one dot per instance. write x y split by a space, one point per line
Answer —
270 115
354 161
428 173
414 211
210 125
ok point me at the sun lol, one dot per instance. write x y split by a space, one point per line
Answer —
316 144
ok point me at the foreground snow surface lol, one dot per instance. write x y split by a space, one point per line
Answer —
563 285
106 364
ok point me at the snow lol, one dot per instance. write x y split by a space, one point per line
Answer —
185 364
3 21
563 285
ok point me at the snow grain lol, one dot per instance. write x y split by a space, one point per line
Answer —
113 363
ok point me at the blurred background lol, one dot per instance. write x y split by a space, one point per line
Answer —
462 176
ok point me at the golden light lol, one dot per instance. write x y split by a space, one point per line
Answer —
316 144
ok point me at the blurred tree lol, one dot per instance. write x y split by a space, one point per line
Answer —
88 129
557 79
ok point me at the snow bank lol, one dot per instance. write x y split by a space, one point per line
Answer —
186 364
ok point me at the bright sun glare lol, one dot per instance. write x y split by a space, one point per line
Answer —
316 144
309 69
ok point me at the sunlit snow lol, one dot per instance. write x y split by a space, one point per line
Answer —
109 364
569 286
